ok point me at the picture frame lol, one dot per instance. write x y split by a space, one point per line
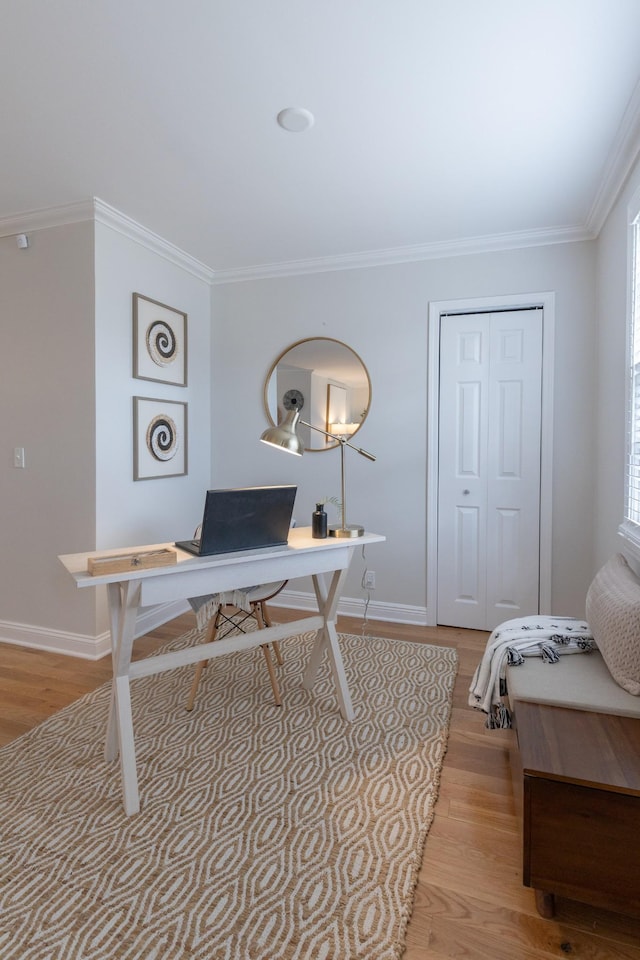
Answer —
159 342
159 438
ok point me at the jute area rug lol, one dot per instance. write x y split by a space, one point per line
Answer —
264 832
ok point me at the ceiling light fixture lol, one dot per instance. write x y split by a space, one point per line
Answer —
295 119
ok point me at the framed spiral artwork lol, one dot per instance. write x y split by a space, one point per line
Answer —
159 438
159 342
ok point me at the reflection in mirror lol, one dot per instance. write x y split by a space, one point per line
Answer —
327 381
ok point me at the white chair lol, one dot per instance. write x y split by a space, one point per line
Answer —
233 618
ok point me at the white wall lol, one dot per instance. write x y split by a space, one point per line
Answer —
612 291
47 404
145 511
66 387
382 313
128 512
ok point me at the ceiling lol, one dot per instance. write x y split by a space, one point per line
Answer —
438 123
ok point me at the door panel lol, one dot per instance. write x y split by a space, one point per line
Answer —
468 430
462 452
467 577
489 467
509 426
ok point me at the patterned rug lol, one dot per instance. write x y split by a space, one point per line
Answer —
264 832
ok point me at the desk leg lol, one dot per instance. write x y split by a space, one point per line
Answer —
123 607
128 771
115 618
327 639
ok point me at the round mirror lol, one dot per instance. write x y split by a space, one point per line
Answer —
327 382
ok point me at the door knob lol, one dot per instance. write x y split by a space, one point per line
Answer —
466 492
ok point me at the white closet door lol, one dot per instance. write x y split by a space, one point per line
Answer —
489 467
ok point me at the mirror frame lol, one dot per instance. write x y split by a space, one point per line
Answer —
282 355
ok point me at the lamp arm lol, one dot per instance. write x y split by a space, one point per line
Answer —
340 440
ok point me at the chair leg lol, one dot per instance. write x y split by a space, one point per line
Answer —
196 683
200 666
259 613
272 675
263 618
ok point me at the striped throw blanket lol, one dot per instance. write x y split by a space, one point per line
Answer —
509 644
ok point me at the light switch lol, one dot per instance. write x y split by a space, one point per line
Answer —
18 458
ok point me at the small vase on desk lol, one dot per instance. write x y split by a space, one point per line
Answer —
319 522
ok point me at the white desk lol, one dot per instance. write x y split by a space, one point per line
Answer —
326 561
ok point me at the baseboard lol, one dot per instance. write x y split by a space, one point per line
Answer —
55 641
94 648
81 645
357 607
151 617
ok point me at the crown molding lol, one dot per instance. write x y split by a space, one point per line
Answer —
121 223
98 211
409 254
49 217
622 156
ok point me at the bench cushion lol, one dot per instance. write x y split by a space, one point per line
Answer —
581 681
613 613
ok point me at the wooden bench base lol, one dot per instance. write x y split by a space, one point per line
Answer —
580 806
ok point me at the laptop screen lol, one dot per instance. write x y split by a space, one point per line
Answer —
245 518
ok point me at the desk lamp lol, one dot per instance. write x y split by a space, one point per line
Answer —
284 437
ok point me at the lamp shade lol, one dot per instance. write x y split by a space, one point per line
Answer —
284 436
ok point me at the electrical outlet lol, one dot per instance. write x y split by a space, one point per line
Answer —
18 458
370 579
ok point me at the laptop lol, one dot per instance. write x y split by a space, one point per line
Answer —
243 518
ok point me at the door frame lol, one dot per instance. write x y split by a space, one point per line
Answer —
521 301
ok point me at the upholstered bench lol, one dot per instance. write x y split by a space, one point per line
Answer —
578 761
580 682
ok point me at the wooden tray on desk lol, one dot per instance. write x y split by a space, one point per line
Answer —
126 562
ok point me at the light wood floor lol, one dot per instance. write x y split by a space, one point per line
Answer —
470 903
